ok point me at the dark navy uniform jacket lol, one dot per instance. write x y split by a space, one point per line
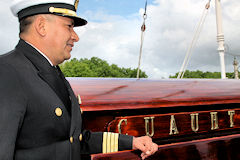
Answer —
34 122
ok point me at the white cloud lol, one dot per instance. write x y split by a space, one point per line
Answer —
170 26
8 29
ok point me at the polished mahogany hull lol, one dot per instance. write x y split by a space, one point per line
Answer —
188 119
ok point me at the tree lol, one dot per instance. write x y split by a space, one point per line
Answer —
201 74
96 67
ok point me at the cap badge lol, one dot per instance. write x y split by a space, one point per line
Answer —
76 4
64 11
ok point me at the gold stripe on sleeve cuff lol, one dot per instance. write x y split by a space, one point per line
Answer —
116 142
110 142
104 143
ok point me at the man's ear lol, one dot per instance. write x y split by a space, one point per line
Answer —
40 25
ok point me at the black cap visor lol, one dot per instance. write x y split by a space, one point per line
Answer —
77 20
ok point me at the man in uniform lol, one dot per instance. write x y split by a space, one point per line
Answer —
40 117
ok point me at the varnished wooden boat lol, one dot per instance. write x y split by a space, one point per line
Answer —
188 119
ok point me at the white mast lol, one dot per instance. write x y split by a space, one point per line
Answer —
220 38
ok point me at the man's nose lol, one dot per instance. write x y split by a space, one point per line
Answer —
75 36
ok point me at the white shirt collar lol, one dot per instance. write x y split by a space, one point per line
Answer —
40 53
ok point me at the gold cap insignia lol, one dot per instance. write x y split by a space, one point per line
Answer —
76 4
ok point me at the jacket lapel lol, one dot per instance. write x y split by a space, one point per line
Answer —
45 70
48 78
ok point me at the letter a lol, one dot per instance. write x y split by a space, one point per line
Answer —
173 126
214 121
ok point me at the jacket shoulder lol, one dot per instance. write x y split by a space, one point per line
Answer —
9 71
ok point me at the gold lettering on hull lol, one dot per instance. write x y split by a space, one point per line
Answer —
194 122
147 126
214 121
173 126
119 125
188 123
231 114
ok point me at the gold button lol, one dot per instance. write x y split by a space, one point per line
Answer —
81 110
51 9
58 112
80 137
71 139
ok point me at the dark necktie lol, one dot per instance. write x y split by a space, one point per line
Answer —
61 89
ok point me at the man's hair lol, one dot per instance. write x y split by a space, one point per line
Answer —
25 23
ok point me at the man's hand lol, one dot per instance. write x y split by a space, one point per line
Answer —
146 145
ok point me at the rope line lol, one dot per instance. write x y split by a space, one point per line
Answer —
194 41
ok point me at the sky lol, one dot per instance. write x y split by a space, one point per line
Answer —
113 34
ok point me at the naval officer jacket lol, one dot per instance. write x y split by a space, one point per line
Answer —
34 122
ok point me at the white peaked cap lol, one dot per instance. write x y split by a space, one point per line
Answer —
18 5
66 8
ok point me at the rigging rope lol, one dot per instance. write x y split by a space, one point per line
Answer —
194 41
143 28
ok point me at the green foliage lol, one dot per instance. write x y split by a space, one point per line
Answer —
201 74
96 67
